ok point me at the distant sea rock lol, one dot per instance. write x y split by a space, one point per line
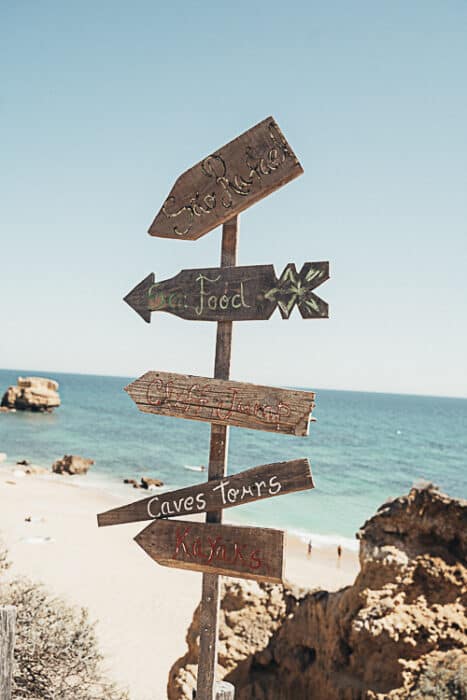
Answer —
146 483
72 464
32 394
399 632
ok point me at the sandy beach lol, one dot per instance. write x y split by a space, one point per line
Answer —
143 610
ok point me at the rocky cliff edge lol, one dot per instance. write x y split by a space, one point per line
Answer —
398 632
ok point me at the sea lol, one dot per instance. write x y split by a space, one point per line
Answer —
364 449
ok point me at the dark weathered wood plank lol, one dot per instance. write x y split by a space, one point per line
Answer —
223 402
265 481
228 550
228 181
250 293
7 645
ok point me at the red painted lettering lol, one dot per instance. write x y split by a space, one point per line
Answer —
255 561
213 545
180 537
198 550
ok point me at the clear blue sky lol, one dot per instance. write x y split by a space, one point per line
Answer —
103 104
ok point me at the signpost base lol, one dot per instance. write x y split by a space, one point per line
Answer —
224 691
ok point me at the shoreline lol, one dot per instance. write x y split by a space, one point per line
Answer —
124 493
130 596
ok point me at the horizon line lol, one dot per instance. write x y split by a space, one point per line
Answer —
128 376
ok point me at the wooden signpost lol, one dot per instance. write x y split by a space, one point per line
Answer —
244 552
234 293
254 484
226 182
223 402
211 193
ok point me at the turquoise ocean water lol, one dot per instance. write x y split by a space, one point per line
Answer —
363 448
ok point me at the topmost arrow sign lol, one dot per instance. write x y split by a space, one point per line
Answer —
226 182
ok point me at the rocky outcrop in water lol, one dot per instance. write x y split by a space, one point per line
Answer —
32 394
72 464
149 483
146 482
398 632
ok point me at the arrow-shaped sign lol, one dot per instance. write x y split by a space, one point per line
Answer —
247 552
223 402
266 481
226 182
233 293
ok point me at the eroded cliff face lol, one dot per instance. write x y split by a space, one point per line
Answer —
399 632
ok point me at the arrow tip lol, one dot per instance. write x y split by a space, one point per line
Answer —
138 296
144 539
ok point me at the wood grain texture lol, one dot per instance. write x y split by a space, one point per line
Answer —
223 402
210 594
265 481
249 293
228 550
7 645
227 182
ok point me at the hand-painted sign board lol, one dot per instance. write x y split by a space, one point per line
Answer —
228 550
228 181
233 293
266 481
223 402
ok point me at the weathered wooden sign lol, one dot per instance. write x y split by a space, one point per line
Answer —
211 193
223 402
246 552
226 182
266 481
233 293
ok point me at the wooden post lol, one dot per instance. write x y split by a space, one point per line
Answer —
7 644
209 621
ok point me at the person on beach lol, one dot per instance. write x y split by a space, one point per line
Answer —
339 555
309 549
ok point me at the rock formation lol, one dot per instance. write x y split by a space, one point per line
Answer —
145 483
32 394
148 483
72 464
132 482
398 632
